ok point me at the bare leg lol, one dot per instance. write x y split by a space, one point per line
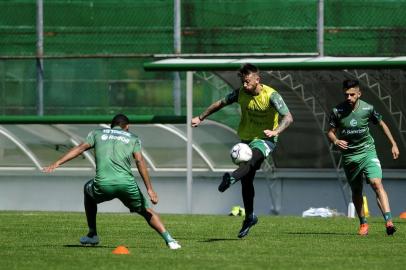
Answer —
153 220
381 195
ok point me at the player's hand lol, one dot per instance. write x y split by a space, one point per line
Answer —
196 121
153 196
395 151
341 144
50 168
270 133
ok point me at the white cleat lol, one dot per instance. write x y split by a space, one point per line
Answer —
86 240
174 245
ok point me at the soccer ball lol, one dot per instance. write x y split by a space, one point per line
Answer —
240 152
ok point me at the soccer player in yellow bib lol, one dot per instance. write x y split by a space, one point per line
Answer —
259 127
349 132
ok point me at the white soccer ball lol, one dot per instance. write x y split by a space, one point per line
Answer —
240 152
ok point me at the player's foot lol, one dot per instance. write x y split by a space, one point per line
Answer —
225 183
363 229
390 228
86 240
173 245
249 221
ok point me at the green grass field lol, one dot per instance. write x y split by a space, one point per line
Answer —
49 240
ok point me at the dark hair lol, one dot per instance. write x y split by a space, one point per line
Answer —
347 84
120 120
247 69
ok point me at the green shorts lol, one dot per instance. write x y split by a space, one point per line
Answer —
129 194
265 146
356 166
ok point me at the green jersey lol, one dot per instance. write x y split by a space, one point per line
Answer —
352 126
114 150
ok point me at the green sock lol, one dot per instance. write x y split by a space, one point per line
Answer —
387 216
363 220
167 237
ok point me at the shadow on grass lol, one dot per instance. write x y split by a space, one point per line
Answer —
210 240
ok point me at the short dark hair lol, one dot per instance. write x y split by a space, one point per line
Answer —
120 120
247 69
347 84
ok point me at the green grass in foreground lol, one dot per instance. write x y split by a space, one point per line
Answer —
48 240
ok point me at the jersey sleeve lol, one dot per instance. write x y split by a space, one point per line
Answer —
333 120
279 104
375 117
231 97
90 139
137 146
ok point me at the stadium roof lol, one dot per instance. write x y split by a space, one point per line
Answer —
29 147
182 64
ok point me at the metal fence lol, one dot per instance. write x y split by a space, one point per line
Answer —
88 57
146 27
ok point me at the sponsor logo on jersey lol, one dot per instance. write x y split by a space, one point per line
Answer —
106 137
115 131
353 123
353 131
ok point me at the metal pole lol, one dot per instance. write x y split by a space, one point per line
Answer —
40 54
189 163
177 49
320 28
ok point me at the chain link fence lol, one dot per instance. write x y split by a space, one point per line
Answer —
113 28
94 50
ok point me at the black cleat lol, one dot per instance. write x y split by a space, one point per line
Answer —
225 183
247 224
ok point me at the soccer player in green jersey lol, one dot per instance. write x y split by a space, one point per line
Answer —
349 132
259 127
115 147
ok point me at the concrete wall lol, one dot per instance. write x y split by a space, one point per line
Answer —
63 192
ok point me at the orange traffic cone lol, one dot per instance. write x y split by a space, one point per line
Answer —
403 215
121 250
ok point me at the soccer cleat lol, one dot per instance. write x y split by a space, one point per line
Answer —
390 229
173 245
248 222
225 183
86 240
363 229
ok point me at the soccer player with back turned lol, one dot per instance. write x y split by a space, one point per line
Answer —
349 132
259 127
114 149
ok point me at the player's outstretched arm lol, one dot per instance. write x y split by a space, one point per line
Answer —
71 154
142 169
219 104
395 149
